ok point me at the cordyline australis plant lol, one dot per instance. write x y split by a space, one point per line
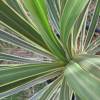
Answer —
72 58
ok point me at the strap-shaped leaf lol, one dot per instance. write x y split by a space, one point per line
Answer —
37 95
10 38
23 71
12 19
92 27
42 92
62 5
58 7
54 15
56 95
94 44
38 11
95 51
91 64
30 82
65 92
79 29
14 76
24 11
15 6
9 57
52 89
82 82
82 35
71 11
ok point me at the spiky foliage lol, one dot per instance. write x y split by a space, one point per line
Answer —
71 58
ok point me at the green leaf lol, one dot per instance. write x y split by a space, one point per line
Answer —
54 15
30 83
23 71
15 76
52 89
65 92
92 27
37 95
39 16
12 39
62 5
76 73
83 83
70 14
95 44
79 30
95 51
91 64
15 6
9 57
13 20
